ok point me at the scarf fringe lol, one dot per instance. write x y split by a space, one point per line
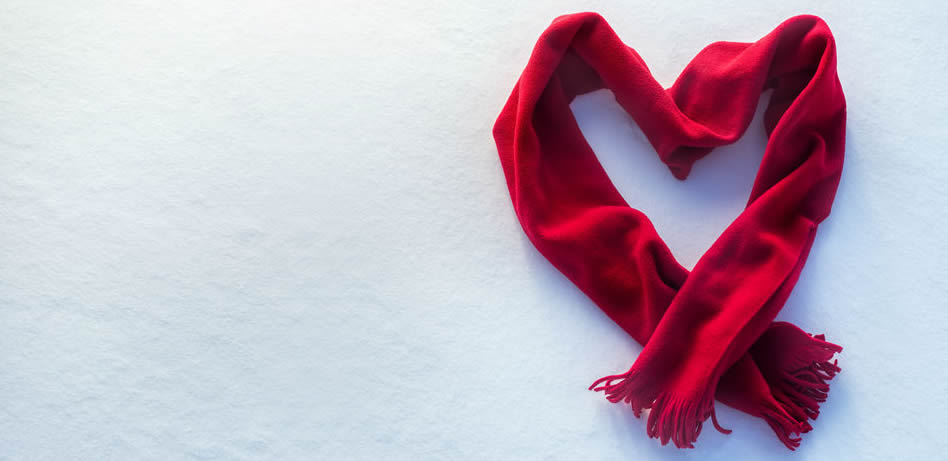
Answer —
785 426
671 417
800 390
803 389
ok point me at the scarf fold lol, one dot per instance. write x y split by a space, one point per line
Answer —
710 333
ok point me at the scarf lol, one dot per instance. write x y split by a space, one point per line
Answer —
710 333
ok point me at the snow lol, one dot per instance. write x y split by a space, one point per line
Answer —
279 230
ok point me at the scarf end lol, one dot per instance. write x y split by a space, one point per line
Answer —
787 428
801 383
671 417
802 390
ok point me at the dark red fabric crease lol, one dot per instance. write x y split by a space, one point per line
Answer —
709 333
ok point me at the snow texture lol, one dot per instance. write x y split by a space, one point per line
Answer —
280 230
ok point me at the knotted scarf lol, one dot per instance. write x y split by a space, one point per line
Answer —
708 334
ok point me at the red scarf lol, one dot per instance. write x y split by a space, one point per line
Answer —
708 333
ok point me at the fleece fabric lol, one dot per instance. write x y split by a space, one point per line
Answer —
709 333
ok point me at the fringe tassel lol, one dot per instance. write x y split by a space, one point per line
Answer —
785 426
672 417
795 364
803 390
799 383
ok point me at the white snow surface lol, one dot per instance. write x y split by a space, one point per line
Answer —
280 230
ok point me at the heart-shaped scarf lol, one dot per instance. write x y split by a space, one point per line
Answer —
709 333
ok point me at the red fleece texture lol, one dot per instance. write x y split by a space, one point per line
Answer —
709 333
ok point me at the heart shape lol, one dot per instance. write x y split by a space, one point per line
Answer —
708 333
